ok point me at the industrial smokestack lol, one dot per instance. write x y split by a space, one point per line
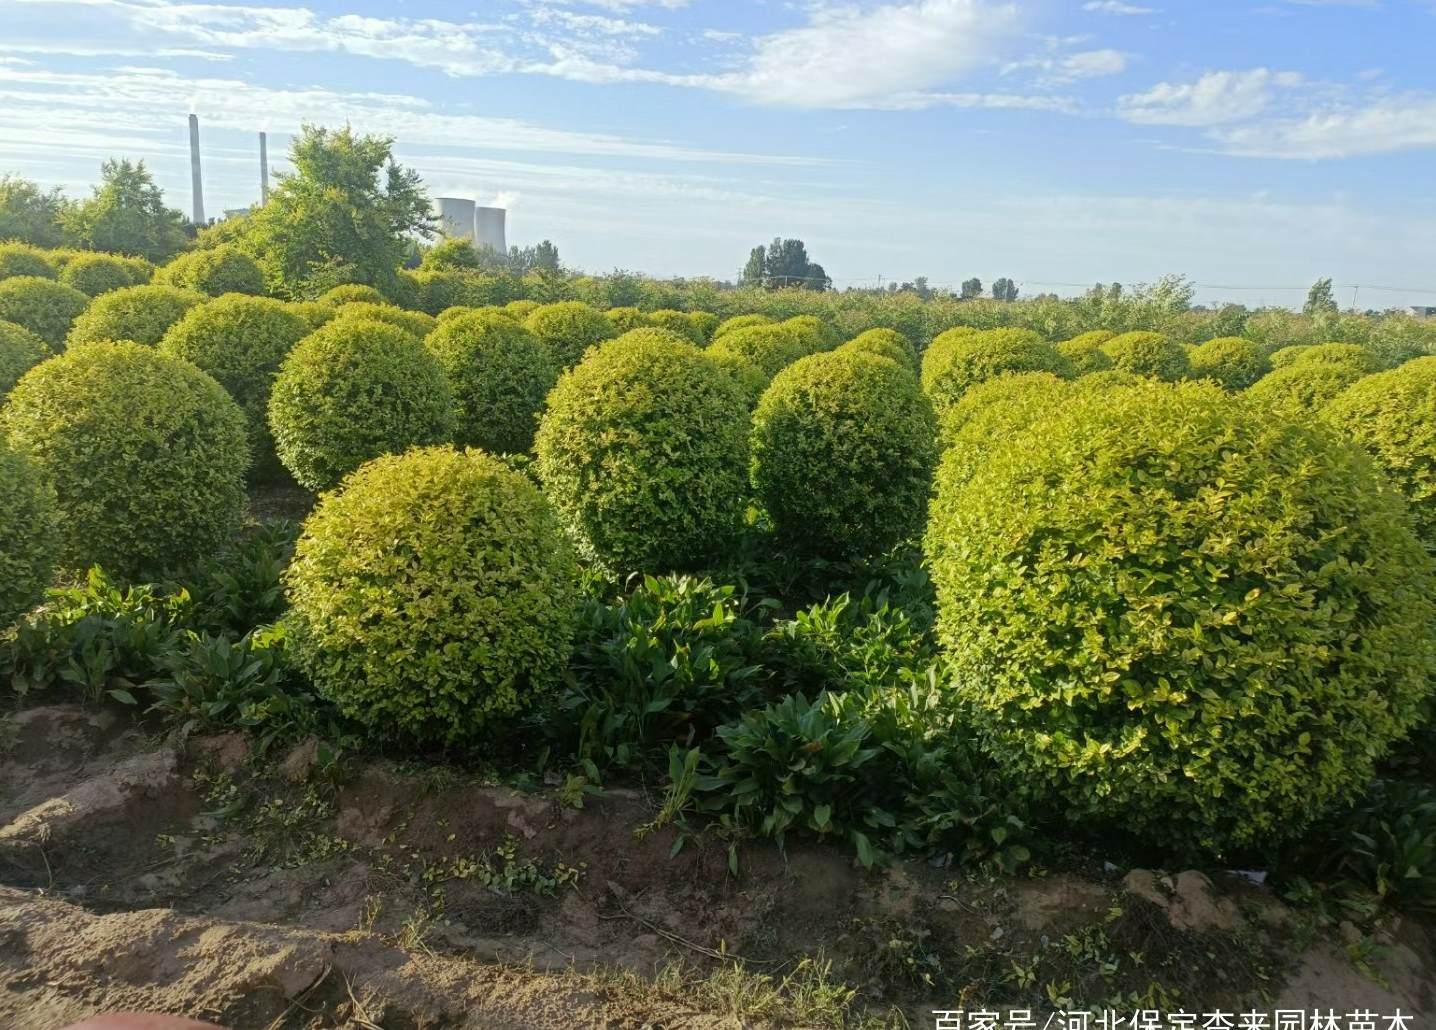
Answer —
263 168
196 183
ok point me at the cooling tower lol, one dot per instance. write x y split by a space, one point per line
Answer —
196 182
456 217
489 228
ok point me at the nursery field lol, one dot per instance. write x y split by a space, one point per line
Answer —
454 646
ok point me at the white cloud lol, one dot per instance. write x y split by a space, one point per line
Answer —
1214 99
1380 126
1116 7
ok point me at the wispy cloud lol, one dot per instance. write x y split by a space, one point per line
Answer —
1215 98
1378 126
1117 7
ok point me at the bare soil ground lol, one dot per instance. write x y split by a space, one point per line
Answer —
196 878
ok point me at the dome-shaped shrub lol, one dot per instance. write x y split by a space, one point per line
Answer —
433 595
43 306
240 340
990 412
956 362
843 450
677 322
704 323
139 313
352 293
214 272
739 322
1284 356
1393 416
147 455
415 323
20 351
644 451
1148 354
1304 386
887 343
458 311
626 319
1229 361
500 374
1177 613
1351 355
1085 351
521 309
821 336
22 259
569 328
768 348
94 274
314 312
140 270
28 539
352 391
447 288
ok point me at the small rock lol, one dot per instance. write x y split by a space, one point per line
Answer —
300 761
1196 905
1143 883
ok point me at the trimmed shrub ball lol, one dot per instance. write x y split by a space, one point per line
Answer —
521 309
956 362
20 351
352 391
216 271
626 319
1148 354
1178 613
94 274
1393 416
18 259
644 451
887 343
352 293
569 328
1229 361
147 455
824 337
415 323
1284 356
676 322
990 412
1351 355
142 314
739 322
1085 351
843 451
433 595
705 323
768 348
28 536
43 306
1304 386
457 311
500 374
314 312
241 340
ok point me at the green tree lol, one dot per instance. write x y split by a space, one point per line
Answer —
1005 290
784 263
972 288
455 253
28 213
1320 300
542 257
345 214
126 214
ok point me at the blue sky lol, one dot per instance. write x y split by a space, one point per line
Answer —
1257 145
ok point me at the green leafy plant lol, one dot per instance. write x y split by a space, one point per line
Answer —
142 314
20 351
1304 387
213 271
568 329
43 306
17 258
885 343
28 538
957 361
94 274
1229 361
1085 351
1148 354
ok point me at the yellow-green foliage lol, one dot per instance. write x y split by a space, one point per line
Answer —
1148 354
1179 613
768 348
821 336
1350 355
1393 416
957 361
521 309
316 313
500 374
22 259
415 323
705 323
147 455
644 451
676 322
433 595
240 340
843 451
215 271
887 343
28 538
20 351
1085 351
352 293
94 274
1286 355
1229 361
626 319
567 329
43 306
352 391
457 311
990 412
139 313
739 322
1304 386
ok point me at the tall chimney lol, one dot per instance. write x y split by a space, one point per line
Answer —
196 184
263 168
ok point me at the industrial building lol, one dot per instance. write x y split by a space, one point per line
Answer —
462 219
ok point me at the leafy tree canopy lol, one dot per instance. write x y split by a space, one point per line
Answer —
28 213
784 263
126 214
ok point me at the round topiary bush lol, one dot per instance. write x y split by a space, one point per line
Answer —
1148 354
1229 361
704 323
215 271
569 328
20 351
992 411
521 309
1284 356
18 259
352 391
457 311
28 538
352 293
1351 355
500 374
843 451
313 312
139 313
43 306
956 362
146 453
626 319
820 335
241 340
1304 386
739 322
433 595
676 322
644 451
886 343
768 348
1085 351
1178 613
415 323
94 274
1392 415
